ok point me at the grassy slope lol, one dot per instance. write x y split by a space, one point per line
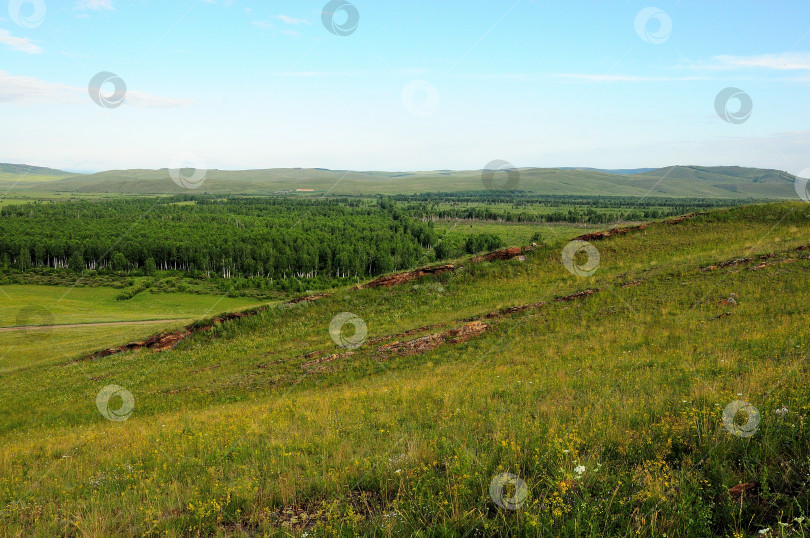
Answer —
630 384
723 182
24 174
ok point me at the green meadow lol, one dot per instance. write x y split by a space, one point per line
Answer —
605 408
81 320
515 233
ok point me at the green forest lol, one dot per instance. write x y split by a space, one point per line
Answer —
284 244
523 207
248 237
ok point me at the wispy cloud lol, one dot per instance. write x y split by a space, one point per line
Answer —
93 5
147 100
22 44
30 90
313 74
268 24
588 77
501 76
301 74
290 20
786 61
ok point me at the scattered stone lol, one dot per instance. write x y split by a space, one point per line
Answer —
308 366
577 295
728 263
432 341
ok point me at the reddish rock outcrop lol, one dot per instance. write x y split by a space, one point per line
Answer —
165 341
389 281
432 341
598 236
504 254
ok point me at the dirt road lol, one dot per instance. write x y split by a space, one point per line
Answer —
81 325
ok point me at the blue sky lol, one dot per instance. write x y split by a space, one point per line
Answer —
431 84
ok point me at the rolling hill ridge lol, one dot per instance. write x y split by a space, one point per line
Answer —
674 181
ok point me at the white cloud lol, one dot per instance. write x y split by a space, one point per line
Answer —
94 5
291 20
313 74
283 18
501 76
22 44
31 90
147 100
623 78
786 61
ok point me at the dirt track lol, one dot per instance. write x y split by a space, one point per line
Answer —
79 325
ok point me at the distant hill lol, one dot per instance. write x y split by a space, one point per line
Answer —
23 173
620 171
674 181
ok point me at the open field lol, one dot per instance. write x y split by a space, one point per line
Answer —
16 198
83 320
23 350
515 233
608 406
64 305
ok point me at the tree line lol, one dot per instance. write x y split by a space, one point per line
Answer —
563 208
226 237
